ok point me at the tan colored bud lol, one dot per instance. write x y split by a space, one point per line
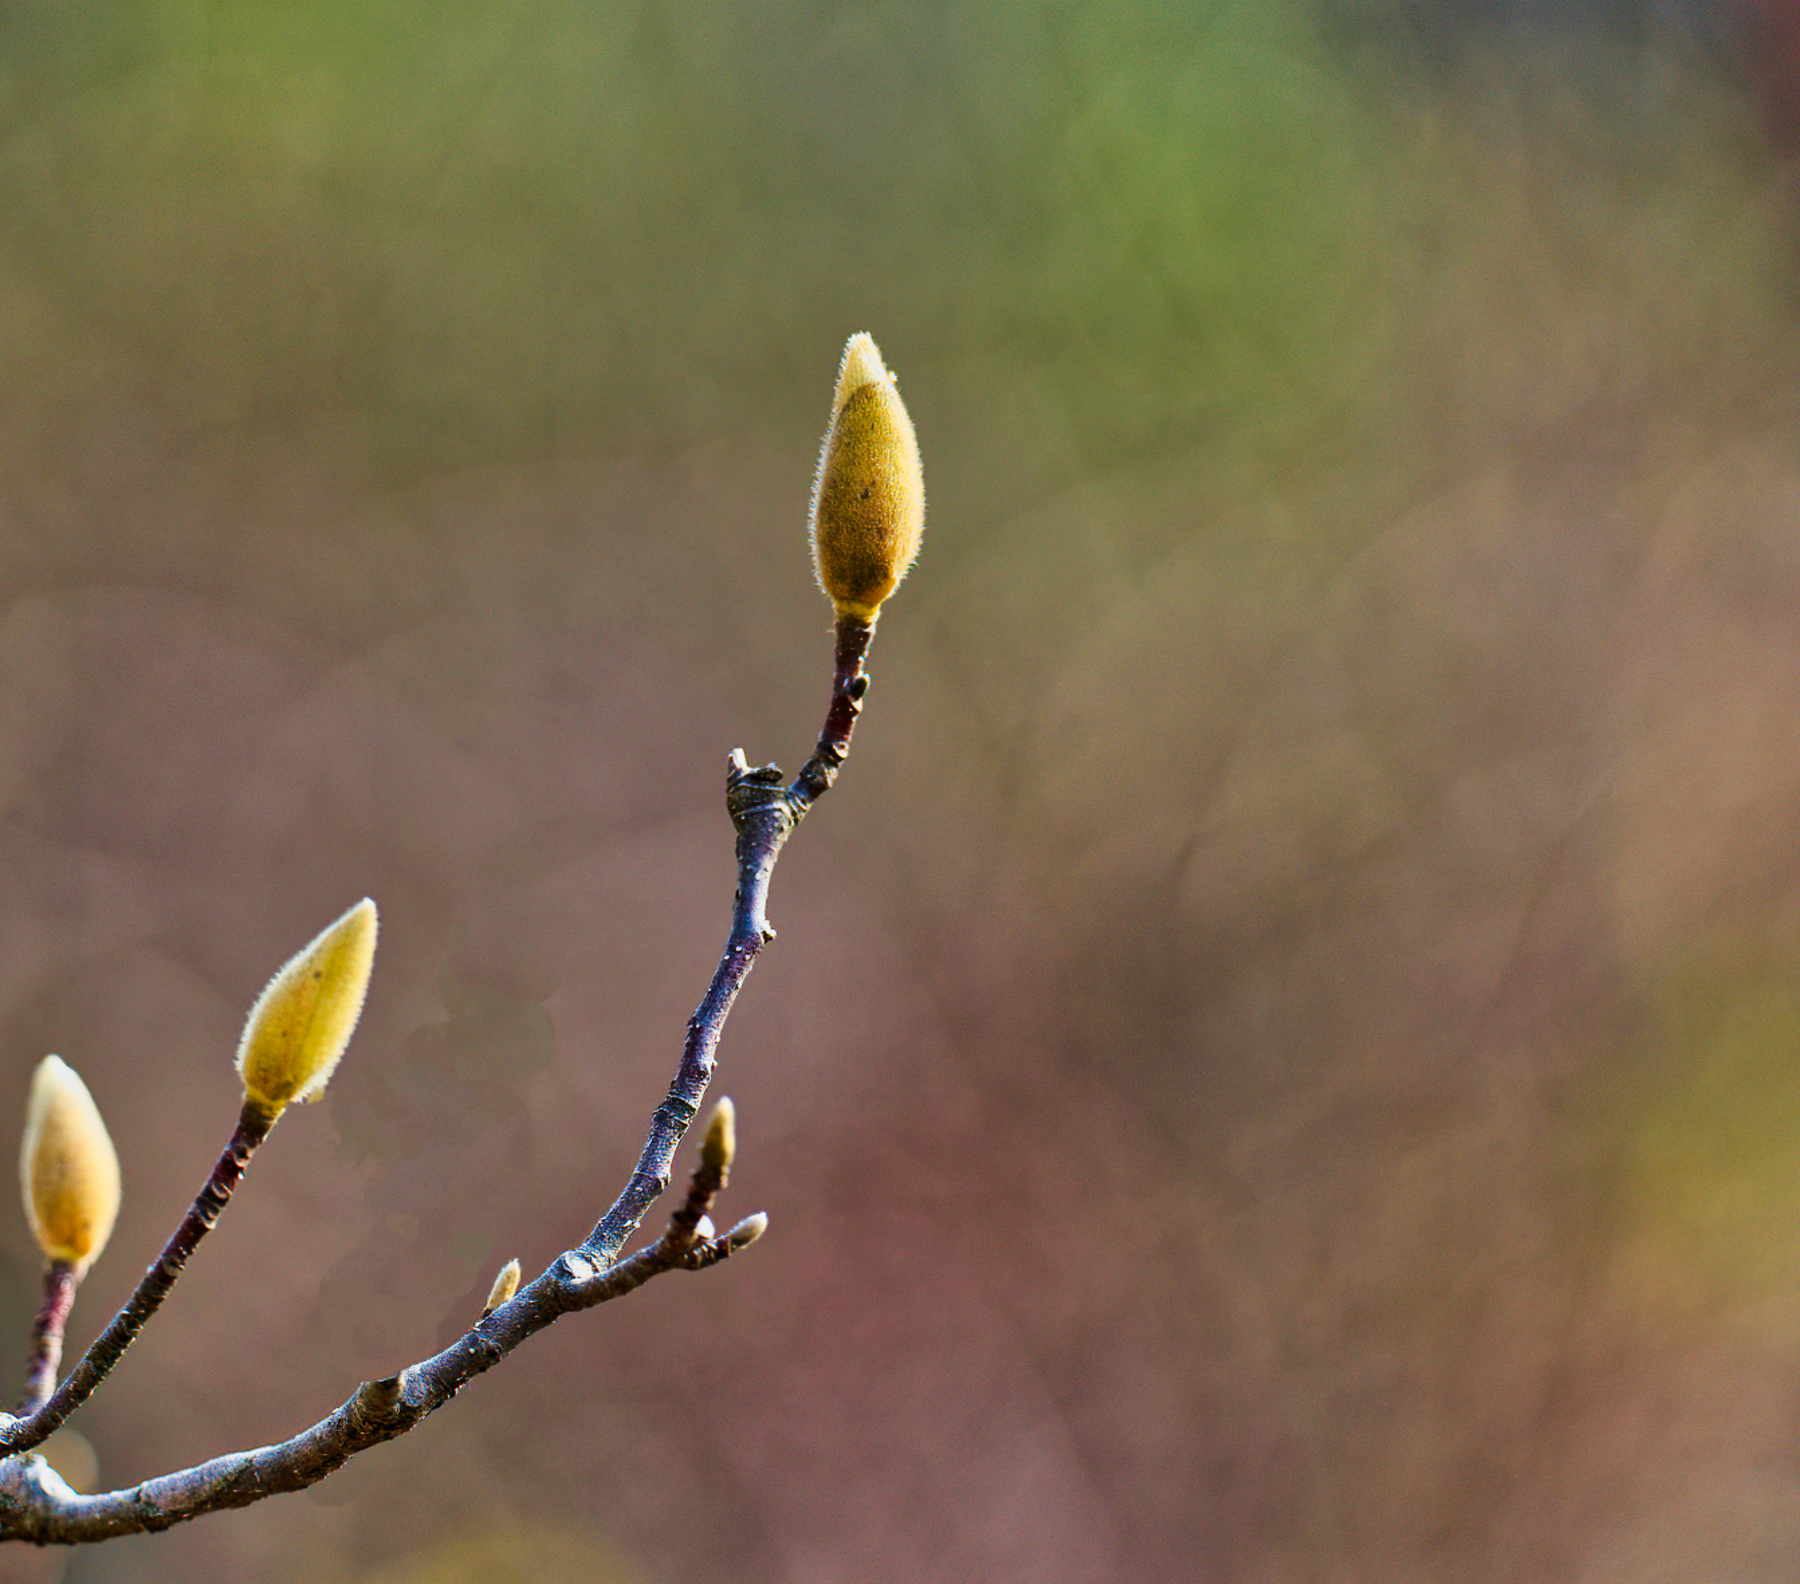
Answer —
720 1143
505 1285
68 1167
303 1020
746 1232
868 507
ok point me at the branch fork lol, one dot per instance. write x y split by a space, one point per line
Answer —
868 512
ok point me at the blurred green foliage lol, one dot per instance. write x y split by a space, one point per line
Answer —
1709 1178
1109 238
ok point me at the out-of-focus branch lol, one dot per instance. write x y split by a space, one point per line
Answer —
61 1278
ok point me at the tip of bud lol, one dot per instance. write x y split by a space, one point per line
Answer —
67 1167
720 1143
304 1018
505 1285
746 1232
868 505
861 365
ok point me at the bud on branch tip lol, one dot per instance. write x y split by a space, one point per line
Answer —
68 1167
720 1142
303 1020
868 507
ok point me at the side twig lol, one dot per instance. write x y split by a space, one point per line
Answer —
61 1278
37 1505
22 1434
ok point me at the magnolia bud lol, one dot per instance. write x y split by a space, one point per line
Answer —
505 1285
868 507
304 1018
68 1167
746 1232
720 1142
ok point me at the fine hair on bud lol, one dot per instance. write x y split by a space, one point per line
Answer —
304 1018
719 1143
505 1285
747 1231
68 1167
868 505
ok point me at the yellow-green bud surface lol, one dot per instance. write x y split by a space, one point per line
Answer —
303 1020
720 1141
868 512
505 1285
68 1168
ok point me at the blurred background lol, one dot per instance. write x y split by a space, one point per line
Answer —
1282 1062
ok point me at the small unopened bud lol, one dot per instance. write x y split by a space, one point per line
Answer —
379 1398
505 1285
746 1232
720 1143
304 1018
704 1230
868 506
68 1167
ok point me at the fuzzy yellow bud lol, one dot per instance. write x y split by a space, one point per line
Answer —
720 1142
868 507
505 1285
68 1167
303 1020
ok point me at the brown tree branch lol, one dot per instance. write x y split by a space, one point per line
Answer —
38 1506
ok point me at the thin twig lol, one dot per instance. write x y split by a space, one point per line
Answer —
61 1278
36 1505
765 814
850 683
109 1347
